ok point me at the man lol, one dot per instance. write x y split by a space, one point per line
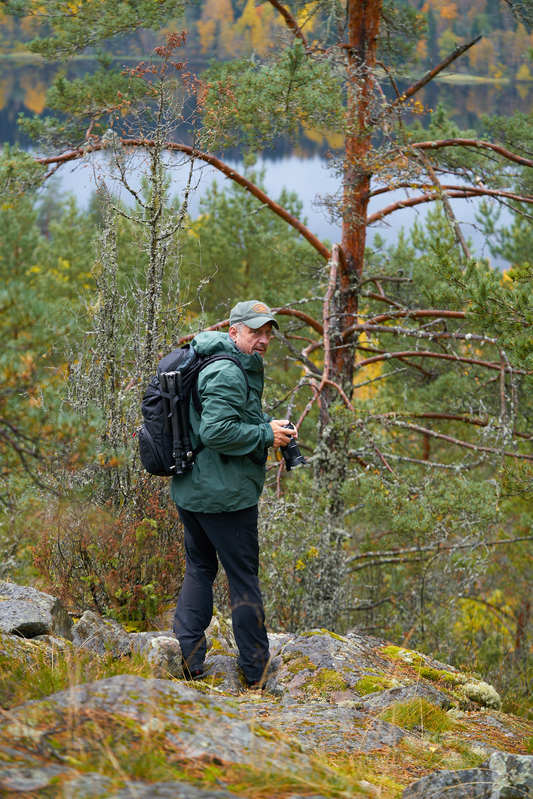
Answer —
217 500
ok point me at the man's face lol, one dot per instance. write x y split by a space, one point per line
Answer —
250 341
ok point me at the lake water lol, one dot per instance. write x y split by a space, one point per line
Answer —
309 177
300 166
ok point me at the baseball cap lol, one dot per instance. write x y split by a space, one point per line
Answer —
252 313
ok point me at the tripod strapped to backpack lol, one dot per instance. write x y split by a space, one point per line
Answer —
177 420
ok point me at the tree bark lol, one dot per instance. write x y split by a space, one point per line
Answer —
363 27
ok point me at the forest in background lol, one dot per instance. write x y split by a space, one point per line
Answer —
225 29
413 521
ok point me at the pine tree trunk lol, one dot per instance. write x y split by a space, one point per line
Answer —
340 314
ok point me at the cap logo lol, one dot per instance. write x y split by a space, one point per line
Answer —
259 307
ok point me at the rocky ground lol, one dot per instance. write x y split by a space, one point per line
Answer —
89 710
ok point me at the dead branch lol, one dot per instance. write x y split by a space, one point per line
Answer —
452 467
464 194
430 354
281 311
449 417
452 219
412 365
326 314
382 297
433 72
387 553
437 334
494 608
458 442
221 166
473 190
478 144
419 313
290 21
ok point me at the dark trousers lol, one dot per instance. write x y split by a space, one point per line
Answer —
233 536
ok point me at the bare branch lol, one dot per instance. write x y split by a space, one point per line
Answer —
496 610
430 354
452 219
333 270
290 21
474 190
478 144
458 442
451 467
432 335
388 553
229 172
435 71
449 417
465 193
281 311
436 313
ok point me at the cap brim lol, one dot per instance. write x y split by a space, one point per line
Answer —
259 321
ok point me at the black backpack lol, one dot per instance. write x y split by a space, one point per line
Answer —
164 438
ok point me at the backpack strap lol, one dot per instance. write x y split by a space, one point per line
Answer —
211 359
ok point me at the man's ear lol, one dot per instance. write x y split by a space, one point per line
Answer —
232 332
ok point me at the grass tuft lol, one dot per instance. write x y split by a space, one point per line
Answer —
419 713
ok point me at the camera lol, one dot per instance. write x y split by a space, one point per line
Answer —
291 452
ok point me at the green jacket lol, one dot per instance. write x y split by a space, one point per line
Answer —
232 426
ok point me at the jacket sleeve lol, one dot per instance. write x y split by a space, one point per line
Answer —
222 391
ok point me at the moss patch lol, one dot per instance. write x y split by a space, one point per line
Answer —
324 682
298 663
441 675
418 712
323 631
406 655
371 683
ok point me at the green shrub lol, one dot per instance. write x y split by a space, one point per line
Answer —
128 564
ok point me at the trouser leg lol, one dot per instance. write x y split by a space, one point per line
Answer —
195 602
234 537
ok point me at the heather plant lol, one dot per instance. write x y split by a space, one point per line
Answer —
127 565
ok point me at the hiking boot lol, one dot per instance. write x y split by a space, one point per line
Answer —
256 685
192 674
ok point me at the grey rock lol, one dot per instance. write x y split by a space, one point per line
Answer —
141 642
351 657
277 641
503 776
318 726
512 775
25 779
197 725
222 672
86 786
168 790
378 701
472 783
27 612
101 636
163 652
21 649
53 642
496 724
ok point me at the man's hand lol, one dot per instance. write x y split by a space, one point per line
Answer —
282 434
